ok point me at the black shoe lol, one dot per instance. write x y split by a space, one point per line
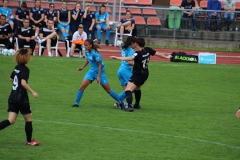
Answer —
99 41
74 105
129 109
136 106
106 42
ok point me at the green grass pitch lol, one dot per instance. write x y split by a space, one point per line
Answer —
188 113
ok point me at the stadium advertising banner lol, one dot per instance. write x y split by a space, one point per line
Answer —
207 58
183 57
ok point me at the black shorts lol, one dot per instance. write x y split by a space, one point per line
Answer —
39 25
53 43
138 79
24 108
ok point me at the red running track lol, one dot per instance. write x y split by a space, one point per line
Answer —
222 57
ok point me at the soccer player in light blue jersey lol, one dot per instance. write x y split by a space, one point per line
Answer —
102 23
96 71
7 12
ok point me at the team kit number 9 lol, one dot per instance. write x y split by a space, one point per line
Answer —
15 82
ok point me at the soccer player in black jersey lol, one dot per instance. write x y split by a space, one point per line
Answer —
5 32
37 17
18 99
26 35
140 72
48 36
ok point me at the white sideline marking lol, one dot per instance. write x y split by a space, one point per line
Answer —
139 131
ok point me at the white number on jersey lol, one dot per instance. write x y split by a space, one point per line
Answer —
145 63
15 82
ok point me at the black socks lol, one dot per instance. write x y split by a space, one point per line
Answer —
4 124
129 98
28 130
137 96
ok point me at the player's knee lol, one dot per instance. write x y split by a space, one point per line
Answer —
12 121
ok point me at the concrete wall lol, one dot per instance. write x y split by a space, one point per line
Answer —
192 43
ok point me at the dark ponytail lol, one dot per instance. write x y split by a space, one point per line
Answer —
128 42
94 46
140 42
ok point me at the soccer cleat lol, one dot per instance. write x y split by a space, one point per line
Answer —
75 105
117 105
129 109
32 143
238 113
136 106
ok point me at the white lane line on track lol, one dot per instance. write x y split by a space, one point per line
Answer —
138 131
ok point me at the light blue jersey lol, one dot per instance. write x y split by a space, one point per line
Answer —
6 11
125 70
126 53
93 58
102 17
92 74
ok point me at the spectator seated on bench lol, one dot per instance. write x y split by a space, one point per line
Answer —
125 27
78 40
5 32
48 38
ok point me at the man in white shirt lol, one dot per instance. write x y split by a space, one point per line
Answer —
78 40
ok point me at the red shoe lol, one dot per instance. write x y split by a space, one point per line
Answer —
238 114
32 143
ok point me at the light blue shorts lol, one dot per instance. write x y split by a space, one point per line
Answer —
60 27
102 25
91 75
124 75
9 21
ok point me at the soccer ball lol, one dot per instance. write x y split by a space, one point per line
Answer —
11 52
119 43
5 52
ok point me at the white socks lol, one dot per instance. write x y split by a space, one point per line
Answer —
41 40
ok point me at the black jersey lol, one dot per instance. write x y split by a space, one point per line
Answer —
22 14
50 14
25 32
19 93
37 13
45 31
79 18
63 15
88 20
5 29
141 59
